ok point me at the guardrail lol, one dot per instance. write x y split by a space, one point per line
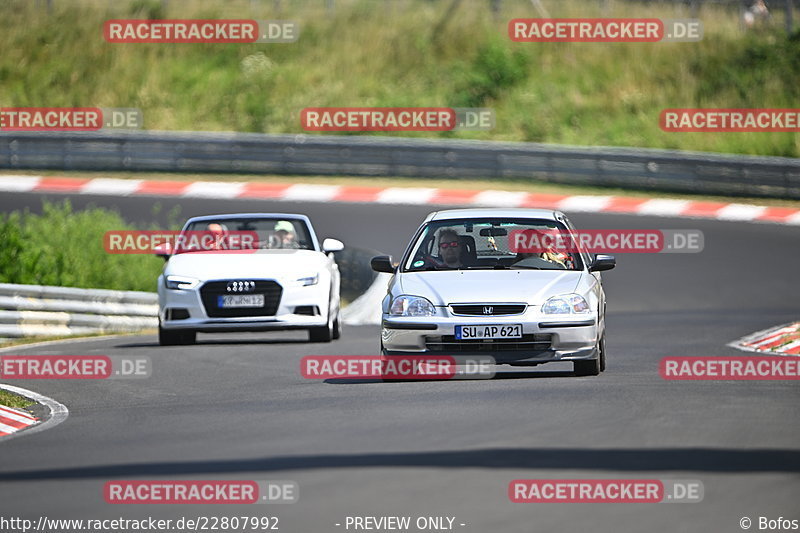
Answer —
37 310
659 170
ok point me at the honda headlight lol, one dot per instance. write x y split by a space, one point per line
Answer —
411 306
181 282
565 304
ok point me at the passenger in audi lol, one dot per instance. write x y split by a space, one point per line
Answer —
285 235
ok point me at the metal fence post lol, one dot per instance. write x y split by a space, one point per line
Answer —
788 7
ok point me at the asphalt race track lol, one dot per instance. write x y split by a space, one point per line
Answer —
236 407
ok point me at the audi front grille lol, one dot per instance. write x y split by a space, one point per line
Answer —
271 290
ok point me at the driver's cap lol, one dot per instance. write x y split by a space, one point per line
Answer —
284 225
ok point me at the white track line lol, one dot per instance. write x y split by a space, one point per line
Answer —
311 192
58 411
12 183
406 195
214 189
584 203
793 220
117 187
18 347
8 430
15 416
499 199
12 410
740 212
662 207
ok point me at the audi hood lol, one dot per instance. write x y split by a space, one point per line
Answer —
260 264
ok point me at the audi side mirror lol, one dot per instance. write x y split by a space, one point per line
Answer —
163 251
332 245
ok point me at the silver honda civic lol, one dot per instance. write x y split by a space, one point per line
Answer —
464 287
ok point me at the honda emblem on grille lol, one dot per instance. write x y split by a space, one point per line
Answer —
241 286
488 310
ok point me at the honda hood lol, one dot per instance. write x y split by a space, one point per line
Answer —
444 288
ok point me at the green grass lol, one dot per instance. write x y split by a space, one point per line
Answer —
9 399
65 247
406 53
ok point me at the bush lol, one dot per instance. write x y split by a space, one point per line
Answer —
65 247
495 68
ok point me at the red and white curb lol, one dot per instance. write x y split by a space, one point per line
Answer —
304 192
14 423
13 420
778 340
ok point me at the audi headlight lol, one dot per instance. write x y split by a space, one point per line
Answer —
565 304
181 282
411 306
310 280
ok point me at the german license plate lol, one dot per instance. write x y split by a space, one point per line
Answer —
240 300
490 331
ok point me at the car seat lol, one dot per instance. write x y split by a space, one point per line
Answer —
469 255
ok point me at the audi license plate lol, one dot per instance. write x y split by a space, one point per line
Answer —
506 331
240 300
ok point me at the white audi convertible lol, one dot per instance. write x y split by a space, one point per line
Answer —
284 279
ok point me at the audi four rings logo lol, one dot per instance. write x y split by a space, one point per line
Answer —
488 310
241 286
